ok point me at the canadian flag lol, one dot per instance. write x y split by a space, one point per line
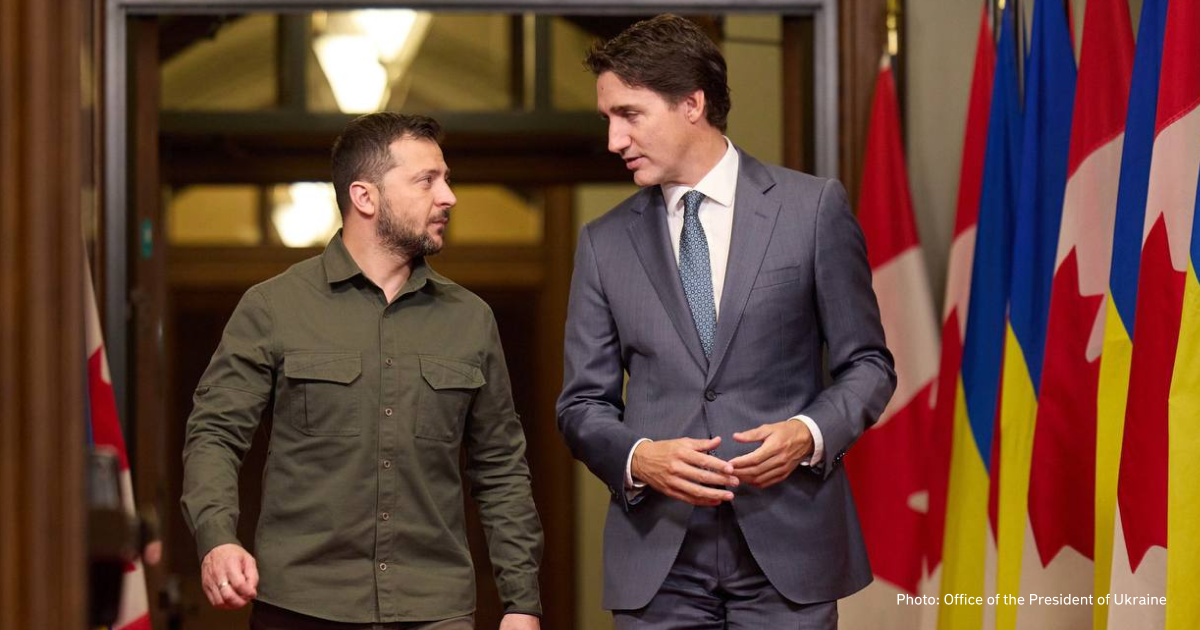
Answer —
134 612
1062 483
887 469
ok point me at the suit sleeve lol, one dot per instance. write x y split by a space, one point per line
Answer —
590 407
862 368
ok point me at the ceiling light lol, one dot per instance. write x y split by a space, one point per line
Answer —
388 29
305 214
350 63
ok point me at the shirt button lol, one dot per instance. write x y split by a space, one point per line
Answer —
388 362
710 395
385 516
383 566
387 412
387 463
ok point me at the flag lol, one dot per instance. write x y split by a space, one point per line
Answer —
887 472
967 549
1063 470
958 290
1183 494
105 430
1049 99
1141 555
1122 288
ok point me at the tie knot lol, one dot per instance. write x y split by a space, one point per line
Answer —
691 201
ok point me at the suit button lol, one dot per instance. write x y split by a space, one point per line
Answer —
710 395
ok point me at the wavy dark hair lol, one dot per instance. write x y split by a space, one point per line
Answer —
671 56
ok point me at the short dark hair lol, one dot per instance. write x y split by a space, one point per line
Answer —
362 151
671 56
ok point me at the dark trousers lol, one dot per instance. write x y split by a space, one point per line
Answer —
716 584
267 617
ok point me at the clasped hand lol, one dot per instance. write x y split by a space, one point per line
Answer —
684 469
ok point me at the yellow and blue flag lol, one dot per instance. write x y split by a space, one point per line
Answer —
958 292
1183 495
968 547
1049 104
1121 302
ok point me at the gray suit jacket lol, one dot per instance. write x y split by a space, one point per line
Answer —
797 281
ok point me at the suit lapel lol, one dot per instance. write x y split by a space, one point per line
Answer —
652 241
754 213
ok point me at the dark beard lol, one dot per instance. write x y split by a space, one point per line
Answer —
402 240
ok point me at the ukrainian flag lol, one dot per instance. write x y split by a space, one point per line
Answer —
1049 102
1123 287
966 543
1183 455
1183 494
958 293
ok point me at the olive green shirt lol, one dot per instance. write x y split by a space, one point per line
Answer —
362 506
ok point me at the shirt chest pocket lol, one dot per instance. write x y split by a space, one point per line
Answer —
447 388
324 399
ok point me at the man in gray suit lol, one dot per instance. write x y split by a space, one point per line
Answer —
716 288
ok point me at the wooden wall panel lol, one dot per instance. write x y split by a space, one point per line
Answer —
862 35
550 462
799 149
42 555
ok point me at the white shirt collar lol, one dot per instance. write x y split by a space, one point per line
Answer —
718 185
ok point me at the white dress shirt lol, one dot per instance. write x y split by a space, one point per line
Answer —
719 187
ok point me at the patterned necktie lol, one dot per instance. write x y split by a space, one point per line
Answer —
696 272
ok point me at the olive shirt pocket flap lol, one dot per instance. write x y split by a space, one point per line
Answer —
443 406
333 367
442 373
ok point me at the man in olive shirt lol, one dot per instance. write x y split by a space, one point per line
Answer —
378 370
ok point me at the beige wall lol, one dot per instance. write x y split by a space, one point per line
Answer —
941 55
753 53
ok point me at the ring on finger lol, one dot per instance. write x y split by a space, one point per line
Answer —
223 585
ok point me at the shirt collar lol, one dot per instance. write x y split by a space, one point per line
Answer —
718 185
340 266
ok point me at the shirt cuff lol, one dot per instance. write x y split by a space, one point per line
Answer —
213 533
520 595
633 487
818 453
